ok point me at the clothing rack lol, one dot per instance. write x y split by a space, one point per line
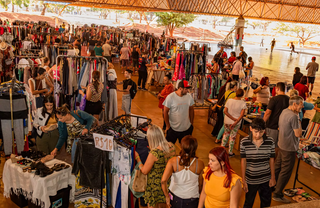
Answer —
86 57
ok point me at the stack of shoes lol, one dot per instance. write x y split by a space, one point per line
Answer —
41 169
34 155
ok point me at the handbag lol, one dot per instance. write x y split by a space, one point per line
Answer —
40 99
133 176
219 107
139 181
241 74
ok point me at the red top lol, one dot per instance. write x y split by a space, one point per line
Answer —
168 89
231 59
224 55
302 89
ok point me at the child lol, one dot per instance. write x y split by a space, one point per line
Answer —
127 85
257 153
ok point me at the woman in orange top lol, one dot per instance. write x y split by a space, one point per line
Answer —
168 88
222 188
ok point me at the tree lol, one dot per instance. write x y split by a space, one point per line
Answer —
173 20
254 24
43 12
20 3
226 20
303 32
214 22
265 25
4 4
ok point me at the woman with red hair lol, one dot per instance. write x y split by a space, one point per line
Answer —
263 92
222 187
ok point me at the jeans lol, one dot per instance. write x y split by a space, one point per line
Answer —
73 150
177 202
126 103
173 135
264 194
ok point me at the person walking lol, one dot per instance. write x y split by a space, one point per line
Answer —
160 152
126 97
289 133
234 111
257 175
46 124
125 53
273 43
167 90
275 107
312 68
179 113
135 52
222 187
143 73
292 47
185 172
107 51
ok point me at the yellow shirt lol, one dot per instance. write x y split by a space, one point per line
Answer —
52 121
217 195
232 95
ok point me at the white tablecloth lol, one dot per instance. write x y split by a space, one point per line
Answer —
34 187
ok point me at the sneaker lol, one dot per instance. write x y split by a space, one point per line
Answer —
310 93
281 199
144 89
139 88
231 155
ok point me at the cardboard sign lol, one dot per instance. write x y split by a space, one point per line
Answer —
103 142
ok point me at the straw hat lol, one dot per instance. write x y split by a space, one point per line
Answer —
3 46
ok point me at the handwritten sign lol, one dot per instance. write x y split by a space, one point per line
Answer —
103 142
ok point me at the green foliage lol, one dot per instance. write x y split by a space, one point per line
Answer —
19 2
5 3
173 20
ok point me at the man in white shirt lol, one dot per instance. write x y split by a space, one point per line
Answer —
237 66
179 113
107 51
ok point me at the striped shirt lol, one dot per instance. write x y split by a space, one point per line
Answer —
258 167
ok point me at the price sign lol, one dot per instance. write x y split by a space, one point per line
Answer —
103 142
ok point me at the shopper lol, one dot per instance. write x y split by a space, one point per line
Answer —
243 56
289 133
312 68
302 87
257 174
179 113
46 124
107 51
231 89
135 52
275 107
92 43
222 187
160 152
113 97
263 92
234 111
143 73
237 66
215 67
40 86
297 76
93 95
185 172
125 53
127 85
167 90
71 125
232 57
98 49
249 67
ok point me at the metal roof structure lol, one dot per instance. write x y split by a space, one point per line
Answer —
299 11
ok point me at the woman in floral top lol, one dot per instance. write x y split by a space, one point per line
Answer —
161 152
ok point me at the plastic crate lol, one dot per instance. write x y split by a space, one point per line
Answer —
19 200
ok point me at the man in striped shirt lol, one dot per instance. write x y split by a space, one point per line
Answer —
257 153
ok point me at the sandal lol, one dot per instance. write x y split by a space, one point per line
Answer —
217 141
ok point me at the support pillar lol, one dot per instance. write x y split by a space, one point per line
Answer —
239 31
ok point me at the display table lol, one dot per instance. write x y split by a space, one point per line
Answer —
157 75
34 187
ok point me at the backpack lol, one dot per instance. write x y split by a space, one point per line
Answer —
133 90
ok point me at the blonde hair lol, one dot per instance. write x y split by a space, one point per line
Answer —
293 92
156 139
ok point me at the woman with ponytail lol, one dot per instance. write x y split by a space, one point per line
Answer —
221 186
93 96
186 173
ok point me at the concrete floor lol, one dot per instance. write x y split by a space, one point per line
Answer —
147 105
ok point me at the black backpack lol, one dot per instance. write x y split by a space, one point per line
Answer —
133 90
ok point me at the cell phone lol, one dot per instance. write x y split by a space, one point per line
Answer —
171 197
